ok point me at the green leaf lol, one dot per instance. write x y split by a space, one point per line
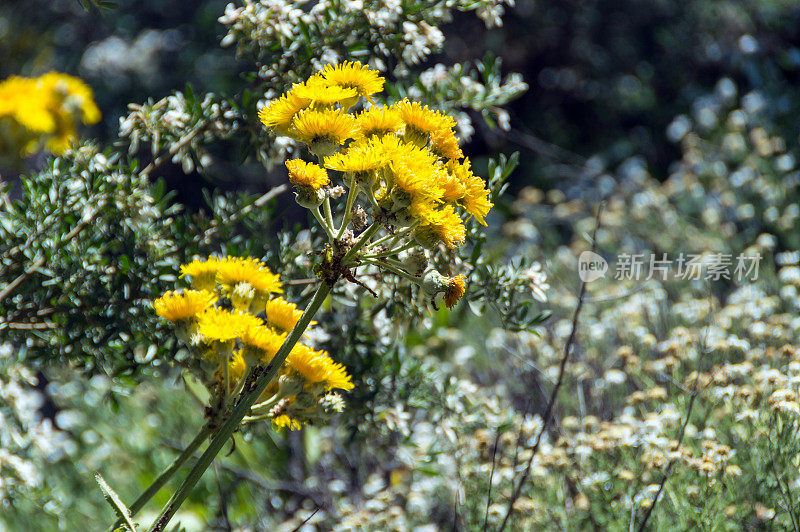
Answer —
116 503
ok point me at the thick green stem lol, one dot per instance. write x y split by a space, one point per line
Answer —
262 377
162 479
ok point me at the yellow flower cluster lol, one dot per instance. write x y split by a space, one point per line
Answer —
405 157
235 321
43 113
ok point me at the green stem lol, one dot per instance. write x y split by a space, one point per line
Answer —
323 223
348 211
158 483
241 382
395 270
262 378
227 379
389 252
396 235
269 403
326 205
393 262
259 417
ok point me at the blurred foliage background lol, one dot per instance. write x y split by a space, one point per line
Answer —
677 114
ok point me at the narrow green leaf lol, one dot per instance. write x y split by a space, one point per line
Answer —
116 503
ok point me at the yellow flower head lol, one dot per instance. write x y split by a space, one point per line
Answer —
305 174
235 270
281 314
236 366
334 126
476 199
453 187
202 272
467 189
223 325
360 158
75 93
353 75
261 341
317 367
378 121
284 421
185 305
442 225
455 291
419 119
44 111
443 142
22 101
320 92
415 172
278 114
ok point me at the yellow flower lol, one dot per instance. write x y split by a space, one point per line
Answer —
317 367
353 75
443 142
44 111
236 366
21 100
305 174
472 193
284 421
185 305
261 342
278 114
360 158
202 272
442 225
378 121
455 291
476 199
453 187
334 126
235 270
319 91
282 315
75 93
421 120
223 325
414 171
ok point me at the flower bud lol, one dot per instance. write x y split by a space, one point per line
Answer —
426 237
309 198
416 262
331 403
435 283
